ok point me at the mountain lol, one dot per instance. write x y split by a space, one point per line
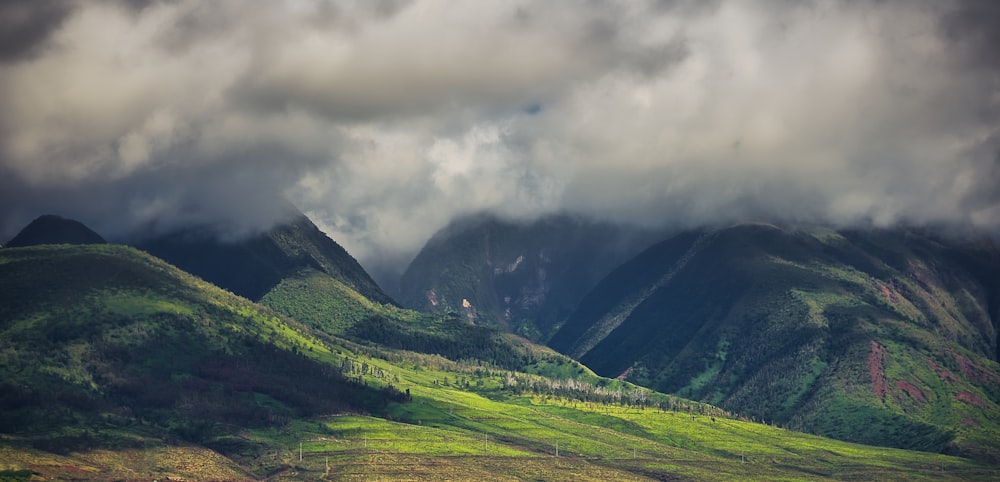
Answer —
52 229
253 265
106 346
523 276
886 337
117 366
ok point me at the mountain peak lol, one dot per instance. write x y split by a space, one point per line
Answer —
52 229
253 265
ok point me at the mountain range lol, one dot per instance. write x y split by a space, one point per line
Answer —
116 364
882 336
525 277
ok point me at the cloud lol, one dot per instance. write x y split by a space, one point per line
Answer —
25 26
385 120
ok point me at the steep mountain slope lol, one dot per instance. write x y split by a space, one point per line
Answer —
52 229
524 277
884 337
251 266
115 365
331 307
109 337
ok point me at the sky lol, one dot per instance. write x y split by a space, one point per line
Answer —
383 120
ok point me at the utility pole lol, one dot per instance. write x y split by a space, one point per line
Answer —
557 449
300 451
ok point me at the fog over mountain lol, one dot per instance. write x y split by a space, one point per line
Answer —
384 120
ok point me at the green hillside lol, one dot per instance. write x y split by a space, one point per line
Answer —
105 345
525 277
251 266
328 305
881 337
116 365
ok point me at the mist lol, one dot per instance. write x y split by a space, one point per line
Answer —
385 120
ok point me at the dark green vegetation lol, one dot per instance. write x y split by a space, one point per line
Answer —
328 305
52 229
881 337
251 266
116 365
103 339
524 277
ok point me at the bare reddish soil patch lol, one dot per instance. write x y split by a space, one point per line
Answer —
971 399
975 373
941 371
968 422
915 393
887 293
877 370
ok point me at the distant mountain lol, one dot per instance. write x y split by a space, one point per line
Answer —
886 337
117 366
52 229
523 276
101 346
252 266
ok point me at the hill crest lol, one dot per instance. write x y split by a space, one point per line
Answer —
53 229
253 265
805 327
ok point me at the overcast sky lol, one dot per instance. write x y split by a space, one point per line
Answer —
383 120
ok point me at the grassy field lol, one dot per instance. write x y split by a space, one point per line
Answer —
447 433
488 432
116 366
876 337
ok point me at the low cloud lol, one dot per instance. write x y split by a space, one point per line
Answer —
385 120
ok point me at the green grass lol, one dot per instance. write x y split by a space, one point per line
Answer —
456 431
140 371
780 324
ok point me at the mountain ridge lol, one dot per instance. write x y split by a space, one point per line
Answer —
120 339
804 326
252 265
223 388
53 229
524 276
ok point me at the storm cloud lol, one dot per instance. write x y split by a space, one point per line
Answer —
384 120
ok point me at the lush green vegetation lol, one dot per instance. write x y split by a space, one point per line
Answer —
314 298
109 337
116 365
253 265
877 337
324 303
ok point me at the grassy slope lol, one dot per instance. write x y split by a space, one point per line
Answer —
466 420
332 307
105 346
864 337
251 266
488 432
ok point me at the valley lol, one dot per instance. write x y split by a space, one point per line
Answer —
663 240
117 365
